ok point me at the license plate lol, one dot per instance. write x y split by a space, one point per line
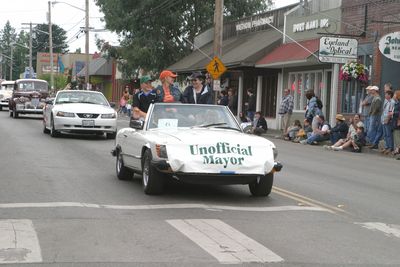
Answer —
88 123
35 102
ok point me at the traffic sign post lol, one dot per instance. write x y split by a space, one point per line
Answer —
216 68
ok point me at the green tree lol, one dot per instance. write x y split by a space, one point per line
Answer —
40 40
21 54
151 31
7 38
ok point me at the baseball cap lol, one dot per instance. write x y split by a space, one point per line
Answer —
167 73
368 87
145 79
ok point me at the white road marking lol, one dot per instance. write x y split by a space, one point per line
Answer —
18 242
223 242
154 207
388 229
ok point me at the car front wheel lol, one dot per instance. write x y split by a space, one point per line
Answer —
153 180
53 131
15 114
262 186
111 135
45 130
123 173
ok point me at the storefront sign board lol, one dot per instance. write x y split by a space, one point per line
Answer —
337 50
389 45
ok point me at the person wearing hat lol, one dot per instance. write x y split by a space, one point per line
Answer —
198 92
375 112
340 130
357 141
143 99
366 106
167 92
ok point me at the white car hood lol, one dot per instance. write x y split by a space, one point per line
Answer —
216 151
83 108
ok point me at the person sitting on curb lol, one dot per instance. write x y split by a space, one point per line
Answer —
340 130
303 133
319 134
260 125
356 141
292 130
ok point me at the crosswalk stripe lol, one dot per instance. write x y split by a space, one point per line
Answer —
18 242
223 242
388 229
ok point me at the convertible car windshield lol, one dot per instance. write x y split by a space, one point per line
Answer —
181 115
81 97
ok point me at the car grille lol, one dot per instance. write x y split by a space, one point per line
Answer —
87 115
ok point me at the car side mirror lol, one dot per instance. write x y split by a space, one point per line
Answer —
49 102
136 124
112 104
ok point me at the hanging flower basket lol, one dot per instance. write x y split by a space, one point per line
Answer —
354 71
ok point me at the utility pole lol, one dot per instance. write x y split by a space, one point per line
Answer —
30 50
51 50
11 61
218 27
87 42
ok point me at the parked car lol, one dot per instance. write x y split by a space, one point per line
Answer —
195 144
6 90
28 97
79 111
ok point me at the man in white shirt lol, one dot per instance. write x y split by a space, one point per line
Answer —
321 133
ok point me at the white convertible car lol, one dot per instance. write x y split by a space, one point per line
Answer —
201 144
79 111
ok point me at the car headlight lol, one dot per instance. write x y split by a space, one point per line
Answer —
161 151
275 152
1 96
108 116
65 114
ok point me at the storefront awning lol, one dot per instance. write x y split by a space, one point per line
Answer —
291 54
239 51
99 66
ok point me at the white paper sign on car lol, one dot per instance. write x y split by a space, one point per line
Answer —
167 123
229 157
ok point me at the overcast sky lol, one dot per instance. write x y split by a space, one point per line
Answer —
67 17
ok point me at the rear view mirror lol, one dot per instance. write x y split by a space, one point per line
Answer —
136 124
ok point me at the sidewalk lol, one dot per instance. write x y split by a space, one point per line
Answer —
277 134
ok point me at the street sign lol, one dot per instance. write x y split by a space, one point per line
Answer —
216 68
389 45
337 50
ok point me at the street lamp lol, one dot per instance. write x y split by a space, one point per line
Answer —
86 10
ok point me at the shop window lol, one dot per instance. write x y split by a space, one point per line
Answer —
351 97
300 82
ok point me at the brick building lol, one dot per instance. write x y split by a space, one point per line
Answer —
377 18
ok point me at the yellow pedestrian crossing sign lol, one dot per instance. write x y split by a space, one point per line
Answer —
216 68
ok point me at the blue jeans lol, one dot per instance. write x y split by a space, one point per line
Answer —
317 138
374 121
388 136
378 135
334 137
366 123
250 114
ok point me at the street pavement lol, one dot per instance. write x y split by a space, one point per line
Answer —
62 205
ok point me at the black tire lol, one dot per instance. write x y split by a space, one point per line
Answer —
123 173
153 180
262 186
111 135
45 130
53 131
15 114
10 112
1 108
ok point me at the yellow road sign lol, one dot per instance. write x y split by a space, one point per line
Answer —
216 68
